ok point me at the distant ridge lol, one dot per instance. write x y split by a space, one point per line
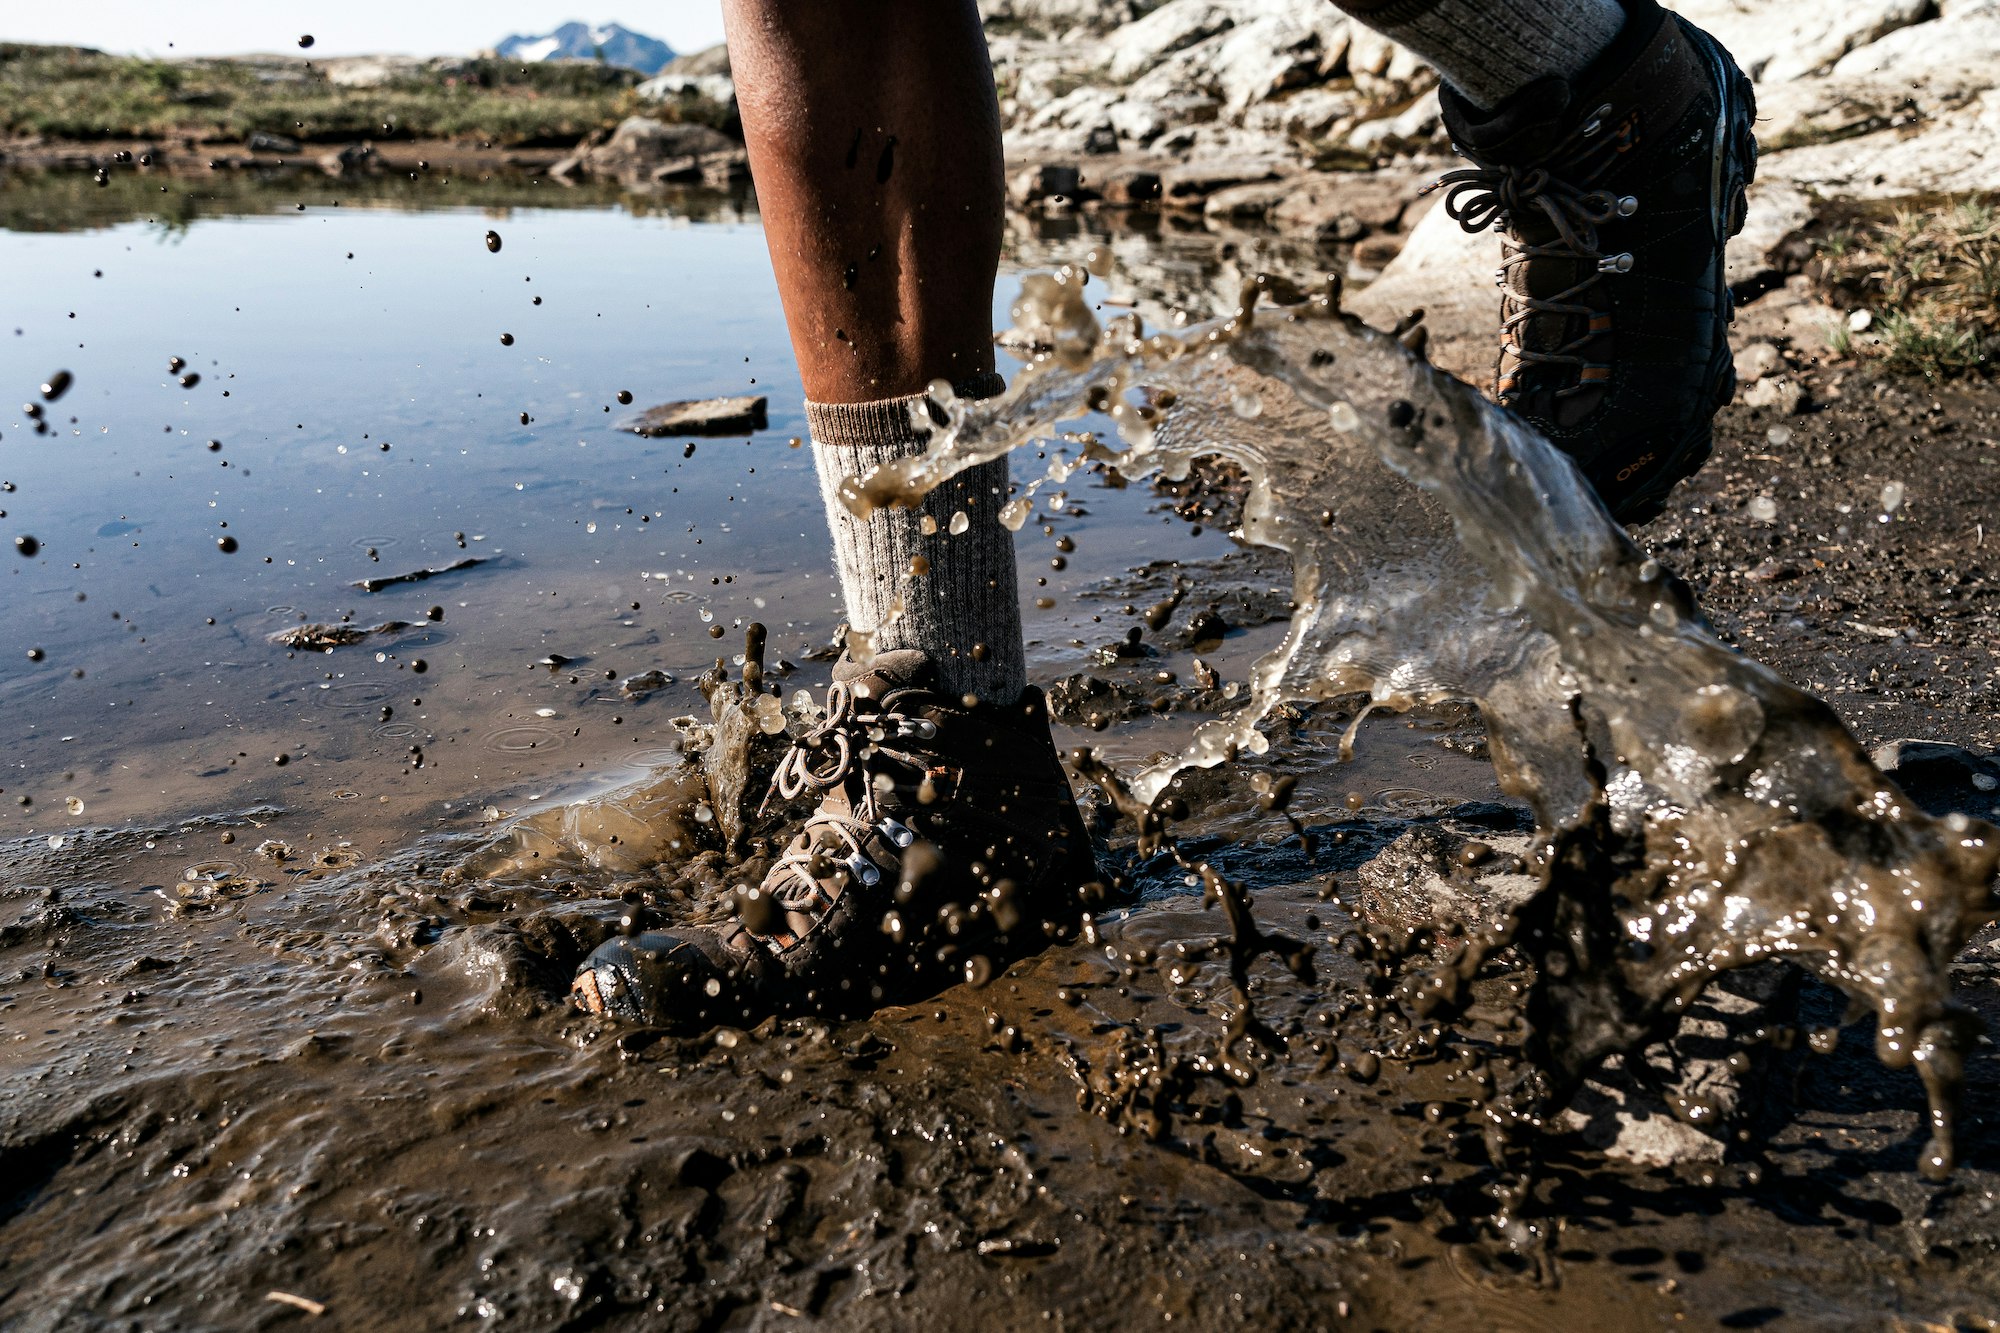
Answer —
613 43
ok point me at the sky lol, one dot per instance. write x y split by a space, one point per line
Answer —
338 27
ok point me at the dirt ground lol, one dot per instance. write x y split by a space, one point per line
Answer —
361 1102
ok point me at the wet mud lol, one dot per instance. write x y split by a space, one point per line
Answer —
300 1055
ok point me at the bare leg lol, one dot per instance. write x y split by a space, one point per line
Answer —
874 137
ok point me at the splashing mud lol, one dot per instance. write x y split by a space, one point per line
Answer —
1696 813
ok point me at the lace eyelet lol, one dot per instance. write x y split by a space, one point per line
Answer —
1628 205
1615 263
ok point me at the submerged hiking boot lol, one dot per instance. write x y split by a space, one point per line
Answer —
946 842
1615 192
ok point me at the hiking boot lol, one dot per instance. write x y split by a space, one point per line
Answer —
946 843
1615 192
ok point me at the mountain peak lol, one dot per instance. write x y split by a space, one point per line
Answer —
613 43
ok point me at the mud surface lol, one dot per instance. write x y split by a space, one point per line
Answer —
291 1049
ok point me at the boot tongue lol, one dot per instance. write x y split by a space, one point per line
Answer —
897 669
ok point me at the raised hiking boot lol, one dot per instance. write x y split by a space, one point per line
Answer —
1615 193
946 843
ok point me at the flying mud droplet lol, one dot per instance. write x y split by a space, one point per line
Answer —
36 654
305 41
493 242
226 545
624 397
506 340
26 545
56 385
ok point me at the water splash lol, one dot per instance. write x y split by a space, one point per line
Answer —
1697 813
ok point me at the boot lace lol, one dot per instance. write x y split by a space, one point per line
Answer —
1479 197
850 740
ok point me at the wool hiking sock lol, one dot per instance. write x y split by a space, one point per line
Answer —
1489 49
955 577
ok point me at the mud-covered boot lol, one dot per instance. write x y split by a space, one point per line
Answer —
946 842
1615 192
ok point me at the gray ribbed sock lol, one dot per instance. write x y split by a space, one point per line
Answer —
1488 49
964 609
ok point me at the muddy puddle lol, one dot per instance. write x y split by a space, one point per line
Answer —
265 1029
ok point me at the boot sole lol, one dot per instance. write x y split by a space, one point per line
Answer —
1735 167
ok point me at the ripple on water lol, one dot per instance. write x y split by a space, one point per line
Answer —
1409 801
522 737
210 881
348 695
396 731
657 756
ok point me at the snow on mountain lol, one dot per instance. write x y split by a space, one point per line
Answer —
613 43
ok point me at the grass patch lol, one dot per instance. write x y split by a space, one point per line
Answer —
61 92
1929 273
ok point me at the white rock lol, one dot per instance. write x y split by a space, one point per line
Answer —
1775 41
1137 47
1756 360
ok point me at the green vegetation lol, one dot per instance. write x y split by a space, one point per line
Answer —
1930 274
61 92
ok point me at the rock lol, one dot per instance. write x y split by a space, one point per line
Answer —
1241 203
1128 187
1416 124
1045 182
1943 779
353 157
1448 272
1756 360
1785 394
1138 47
642 147
1377 252
1351 202
1949 155
1062 15
1774 42
702 416
1190 186
700 74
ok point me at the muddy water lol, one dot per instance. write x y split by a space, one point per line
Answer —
260 1032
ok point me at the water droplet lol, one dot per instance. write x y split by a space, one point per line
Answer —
1778 436
1892 497
1247 405
74 805
1764 509
959 524
1345 419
